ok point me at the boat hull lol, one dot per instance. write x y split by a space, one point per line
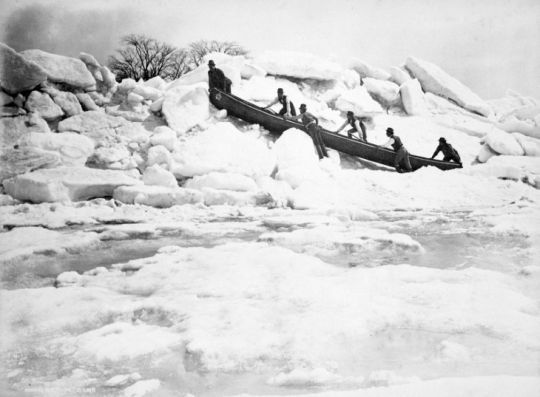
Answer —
276 124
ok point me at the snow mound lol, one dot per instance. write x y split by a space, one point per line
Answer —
66 184
223 148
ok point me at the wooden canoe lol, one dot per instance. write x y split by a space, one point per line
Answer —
276 124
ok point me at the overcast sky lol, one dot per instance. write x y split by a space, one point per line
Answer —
490 45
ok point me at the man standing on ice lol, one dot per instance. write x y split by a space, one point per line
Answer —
450 154
311 123
402 155
288 107
217 79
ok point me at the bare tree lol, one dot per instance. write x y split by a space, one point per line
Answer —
180 63
200 48
142 57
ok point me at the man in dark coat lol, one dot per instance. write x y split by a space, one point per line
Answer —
402 155
450 154
217 79
311 123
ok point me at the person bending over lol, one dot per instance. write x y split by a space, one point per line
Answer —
288 107
311 123
450 154
402 155
357 124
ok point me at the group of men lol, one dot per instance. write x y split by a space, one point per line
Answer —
217 79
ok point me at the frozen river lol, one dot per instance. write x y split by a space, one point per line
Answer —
264 301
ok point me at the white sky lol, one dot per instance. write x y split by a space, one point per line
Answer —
490 45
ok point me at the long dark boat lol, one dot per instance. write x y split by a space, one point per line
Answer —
276 124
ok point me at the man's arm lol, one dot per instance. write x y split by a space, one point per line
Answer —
295 118
287 107
343 126
436 151
389 143
272 103
210 81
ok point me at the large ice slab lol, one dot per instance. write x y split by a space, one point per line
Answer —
299 65
66 184
157 196
412 98
72 149
437 81
61 69
18 74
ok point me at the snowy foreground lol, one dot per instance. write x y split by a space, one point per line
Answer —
153 246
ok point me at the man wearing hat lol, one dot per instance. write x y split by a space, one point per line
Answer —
288 107
217 79
311 123
450 154
357 124
402 155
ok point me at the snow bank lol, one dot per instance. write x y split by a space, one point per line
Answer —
435 80
65 184
222 148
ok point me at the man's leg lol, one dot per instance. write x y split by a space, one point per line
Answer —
406 160
321 142
397 160
312 130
